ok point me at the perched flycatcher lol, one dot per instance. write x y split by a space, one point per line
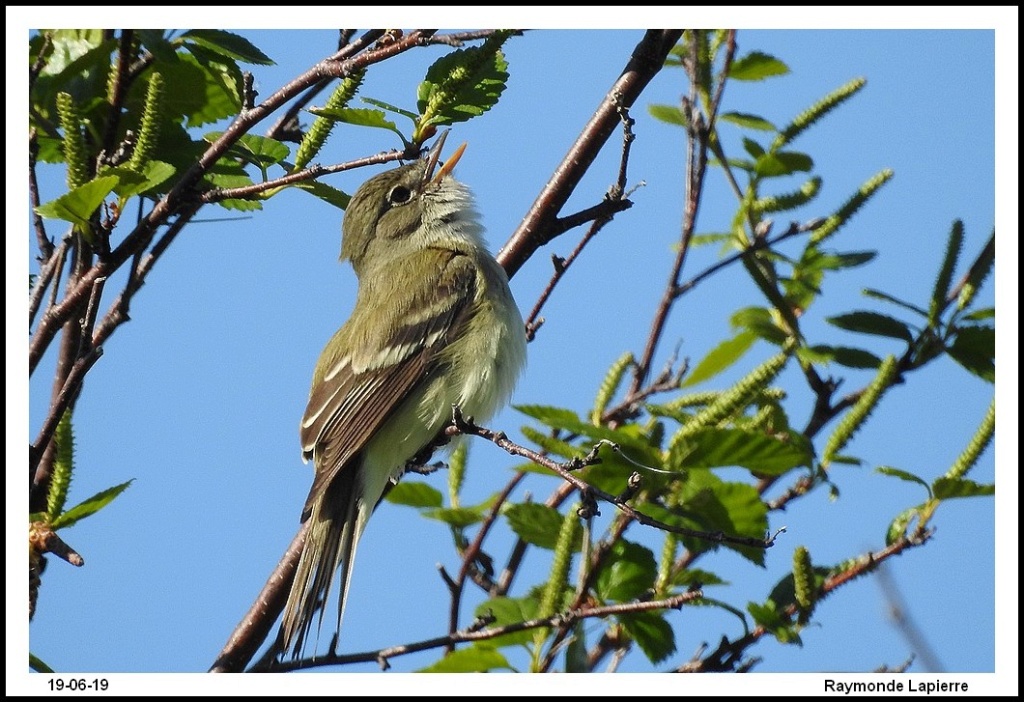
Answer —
434 325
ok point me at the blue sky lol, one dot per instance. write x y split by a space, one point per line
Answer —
198 398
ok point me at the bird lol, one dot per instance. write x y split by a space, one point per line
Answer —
434 326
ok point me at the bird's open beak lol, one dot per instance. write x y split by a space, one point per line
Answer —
435 155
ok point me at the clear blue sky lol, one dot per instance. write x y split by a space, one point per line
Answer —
198 398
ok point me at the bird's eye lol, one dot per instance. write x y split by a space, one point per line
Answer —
399 195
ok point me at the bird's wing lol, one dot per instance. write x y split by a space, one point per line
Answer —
359 391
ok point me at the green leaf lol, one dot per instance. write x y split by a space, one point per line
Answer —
879 295
227 44
325 192
696 576
772 620
760 453
478 658
711 504
462 85
753 148
941 288
843 355
652 634
556 447
191 90
460 517
360 116
749 121
903 475
757 66
782 163
629 437
667 113
78 205
721 357
872 323
758 320
900 523
839 261
981 315
415 493
506 611
38 665
576 658
948 488
89 507
157 44
262 151
536 524
390 108
228 174
132 183
974 348
628 573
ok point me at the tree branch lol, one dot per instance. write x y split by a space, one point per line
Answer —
472 634
538 226
600 214
698 133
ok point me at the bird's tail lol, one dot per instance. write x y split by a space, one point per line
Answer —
336 522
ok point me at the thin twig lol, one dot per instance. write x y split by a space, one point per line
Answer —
42 240
118 90
758 244
49 275
535 230
63 400
613 202
459 39
470 554
472 634
247 191
698 134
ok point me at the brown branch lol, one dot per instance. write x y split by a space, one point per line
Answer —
48 278
42 240
537 226
459 39
40 62
290 119
43 539
382 656
698 134
245 640
601 214
125 57
469 556
247 191
61 402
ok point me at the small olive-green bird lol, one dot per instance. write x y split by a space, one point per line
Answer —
434 324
